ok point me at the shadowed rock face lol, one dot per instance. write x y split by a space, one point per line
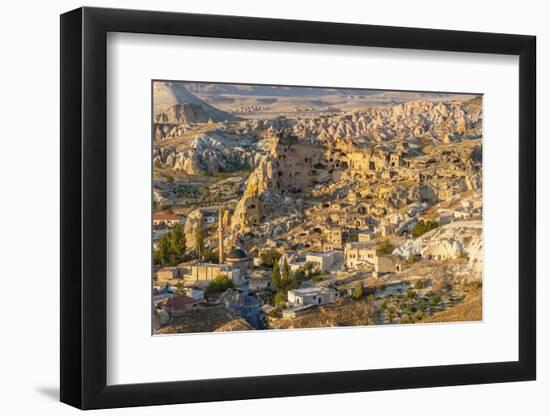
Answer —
173 103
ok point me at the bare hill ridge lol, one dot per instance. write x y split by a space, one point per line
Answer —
173 103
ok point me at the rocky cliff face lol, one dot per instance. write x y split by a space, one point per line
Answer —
451 241
192 223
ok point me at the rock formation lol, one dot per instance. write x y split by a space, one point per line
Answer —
173 103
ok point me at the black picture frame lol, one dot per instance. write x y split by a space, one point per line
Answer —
84 207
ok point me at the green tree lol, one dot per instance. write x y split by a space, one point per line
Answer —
280 300
285 272
435 300
276 276
387 248
288 279
267 296
210 255
270 258
164 249
317 277
357 292
171 248
299 275
199 242
219 284
177 241
424 227
309 268
291 283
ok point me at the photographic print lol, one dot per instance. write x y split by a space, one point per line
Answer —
292 207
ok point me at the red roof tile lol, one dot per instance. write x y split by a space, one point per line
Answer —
178 303
166 216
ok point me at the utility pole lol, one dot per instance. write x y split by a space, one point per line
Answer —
220 235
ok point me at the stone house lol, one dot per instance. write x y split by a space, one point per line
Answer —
323 261
367 236
259 283
384 264
210 217
359 254
395 160
386 230
461 214
178 306
168 273
335 237
195 293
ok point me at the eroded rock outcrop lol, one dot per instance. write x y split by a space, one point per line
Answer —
451 241
210 153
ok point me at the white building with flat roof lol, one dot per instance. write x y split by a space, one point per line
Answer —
311 296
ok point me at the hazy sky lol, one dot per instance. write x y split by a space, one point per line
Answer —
208 89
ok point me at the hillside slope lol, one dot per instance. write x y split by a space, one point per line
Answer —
173 103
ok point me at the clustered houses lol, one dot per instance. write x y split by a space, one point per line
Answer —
326 193
195 278
163 222
388 177
234 264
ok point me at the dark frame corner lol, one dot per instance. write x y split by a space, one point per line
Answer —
83 207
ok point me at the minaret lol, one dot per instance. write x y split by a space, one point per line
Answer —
220 235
